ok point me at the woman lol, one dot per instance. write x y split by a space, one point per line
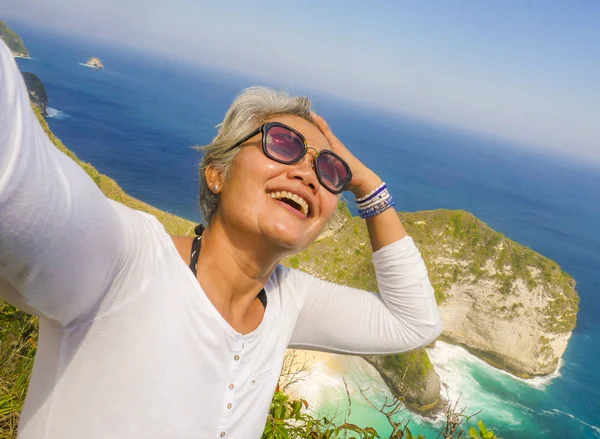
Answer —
135 344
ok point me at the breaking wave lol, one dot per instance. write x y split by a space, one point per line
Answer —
56 114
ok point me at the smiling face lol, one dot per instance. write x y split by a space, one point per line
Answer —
284 204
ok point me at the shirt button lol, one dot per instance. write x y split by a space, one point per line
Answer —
229 405
237 357
222 434
231 386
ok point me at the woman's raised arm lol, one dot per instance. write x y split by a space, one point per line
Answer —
61 240
402 317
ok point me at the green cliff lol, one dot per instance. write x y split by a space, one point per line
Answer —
13 41
37 91
507 304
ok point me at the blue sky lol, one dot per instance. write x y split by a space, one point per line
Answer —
523 70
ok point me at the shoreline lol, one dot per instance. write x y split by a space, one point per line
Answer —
496 364
326 370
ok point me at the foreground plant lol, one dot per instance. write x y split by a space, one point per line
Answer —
289 419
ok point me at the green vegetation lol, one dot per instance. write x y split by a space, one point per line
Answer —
12 40
18 341
414 366
288 419
37 91
457 246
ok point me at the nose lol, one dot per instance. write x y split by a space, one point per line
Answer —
304 169
310 156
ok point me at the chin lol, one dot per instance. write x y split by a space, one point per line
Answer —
292 239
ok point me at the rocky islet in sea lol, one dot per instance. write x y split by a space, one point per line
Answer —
95 63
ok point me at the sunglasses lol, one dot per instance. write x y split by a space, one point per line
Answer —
286 145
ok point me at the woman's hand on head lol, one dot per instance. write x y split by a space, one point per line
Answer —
364 179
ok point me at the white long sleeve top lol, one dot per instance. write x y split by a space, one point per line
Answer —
129 344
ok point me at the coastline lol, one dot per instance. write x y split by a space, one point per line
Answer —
327 372
333 390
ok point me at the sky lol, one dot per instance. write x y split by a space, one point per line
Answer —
528 71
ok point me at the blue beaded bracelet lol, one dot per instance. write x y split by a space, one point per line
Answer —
376 209
377 212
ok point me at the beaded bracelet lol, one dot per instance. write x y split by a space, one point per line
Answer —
371 194
381 197
377 212
375 194
375 202
376 208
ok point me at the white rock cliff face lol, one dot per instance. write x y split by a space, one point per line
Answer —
510 332
514 339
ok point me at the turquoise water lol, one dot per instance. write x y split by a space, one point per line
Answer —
506 402
137 119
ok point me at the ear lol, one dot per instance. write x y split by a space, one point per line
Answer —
214 178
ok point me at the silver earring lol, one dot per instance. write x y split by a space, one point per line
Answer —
216 187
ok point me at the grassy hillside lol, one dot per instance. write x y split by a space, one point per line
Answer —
456 246
12 40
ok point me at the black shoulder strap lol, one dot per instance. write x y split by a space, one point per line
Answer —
262 296
196 245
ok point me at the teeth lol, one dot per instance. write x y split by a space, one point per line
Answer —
285 194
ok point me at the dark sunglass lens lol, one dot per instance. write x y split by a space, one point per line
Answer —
284 145
332 171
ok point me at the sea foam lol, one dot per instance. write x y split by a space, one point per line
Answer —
56 114
445 354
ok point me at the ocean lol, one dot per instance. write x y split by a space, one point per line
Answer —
138 119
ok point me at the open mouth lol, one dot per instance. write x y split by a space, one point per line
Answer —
293 200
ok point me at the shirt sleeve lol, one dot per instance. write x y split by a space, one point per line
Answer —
61 239
402 317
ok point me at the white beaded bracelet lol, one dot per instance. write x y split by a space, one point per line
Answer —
370 194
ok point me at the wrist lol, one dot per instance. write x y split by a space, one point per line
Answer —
375 202
366 184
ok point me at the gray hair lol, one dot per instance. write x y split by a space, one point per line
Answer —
252 107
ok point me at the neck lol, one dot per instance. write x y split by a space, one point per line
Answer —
233 267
